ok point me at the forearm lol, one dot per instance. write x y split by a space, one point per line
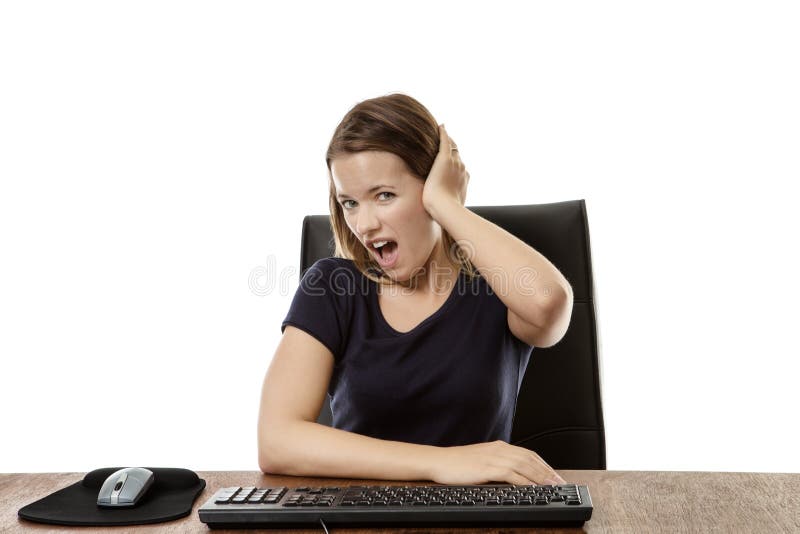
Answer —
524 280
304 448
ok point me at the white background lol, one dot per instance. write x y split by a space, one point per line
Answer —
154 155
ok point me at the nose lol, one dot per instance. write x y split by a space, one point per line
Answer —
366 221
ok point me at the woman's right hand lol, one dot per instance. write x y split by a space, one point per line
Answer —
495 461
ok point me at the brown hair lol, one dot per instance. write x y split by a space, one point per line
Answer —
395 123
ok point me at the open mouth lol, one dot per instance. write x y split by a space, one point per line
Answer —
386 254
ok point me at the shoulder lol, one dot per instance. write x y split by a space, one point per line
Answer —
332 272
333 265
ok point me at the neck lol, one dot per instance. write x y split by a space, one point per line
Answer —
436 278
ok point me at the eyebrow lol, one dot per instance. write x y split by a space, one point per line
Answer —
371 189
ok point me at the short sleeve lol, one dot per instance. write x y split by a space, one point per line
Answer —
321 305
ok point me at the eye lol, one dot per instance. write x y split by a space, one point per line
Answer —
344 202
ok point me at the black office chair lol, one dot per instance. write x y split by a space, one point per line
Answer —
559 413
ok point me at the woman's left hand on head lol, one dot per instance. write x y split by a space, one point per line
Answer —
448 178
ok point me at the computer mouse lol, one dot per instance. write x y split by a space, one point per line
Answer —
125 487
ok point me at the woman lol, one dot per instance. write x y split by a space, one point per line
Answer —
411 326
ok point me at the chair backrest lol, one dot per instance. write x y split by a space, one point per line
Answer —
559 413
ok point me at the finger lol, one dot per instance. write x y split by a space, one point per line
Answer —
529 464
537 469
444 140
446 144
536 474
509 474
519 480
544 465
554 478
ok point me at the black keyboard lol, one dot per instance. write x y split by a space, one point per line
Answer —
567 505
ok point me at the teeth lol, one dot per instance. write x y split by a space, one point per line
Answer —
378 244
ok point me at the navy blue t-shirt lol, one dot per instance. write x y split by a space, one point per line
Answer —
452 380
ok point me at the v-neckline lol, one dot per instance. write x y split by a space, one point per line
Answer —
431 317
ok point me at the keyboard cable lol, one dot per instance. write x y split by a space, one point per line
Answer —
323 526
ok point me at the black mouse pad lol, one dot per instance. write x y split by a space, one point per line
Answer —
170 497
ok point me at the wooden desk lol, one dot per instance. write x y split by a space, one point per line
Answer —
624 501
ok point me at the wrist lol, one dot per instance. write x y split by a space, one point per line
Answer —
432 461
437 207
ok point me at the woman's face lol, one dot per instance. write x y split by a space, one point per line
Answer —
393 211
